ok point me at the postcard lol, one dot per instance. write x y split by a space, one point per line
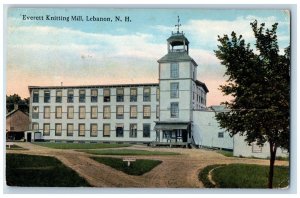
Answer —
147 98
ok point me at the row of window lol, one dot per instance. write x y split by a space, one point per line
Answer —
94 95
94 131
94 112
200 98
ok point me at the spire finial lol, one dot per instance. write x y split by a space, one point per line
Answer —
178 24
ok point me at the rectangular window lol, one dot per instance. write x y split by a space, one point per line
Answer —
157 94
146 130
81 95
58 112
94 95
221 135
147 111
35 126
157 111
120 95
174 87
35 97
81 131
94 112
70 129
119 130
106 95
174 110
106 112
174 70
147 94
82 112
256 148
133 112
57 129
94 130
35 112
47 112
106 130
46 96
46 131
133 130
70 96
133 94
58 97
120 112
70 113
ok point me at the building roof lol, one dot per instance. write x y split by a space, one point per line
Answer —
177 39
92 86
14 111
199 83
176 57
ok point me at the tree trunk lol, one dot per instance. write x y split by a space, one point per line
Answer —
273 149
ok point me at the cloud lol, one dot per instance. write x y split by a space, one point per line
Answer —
45 55
204 32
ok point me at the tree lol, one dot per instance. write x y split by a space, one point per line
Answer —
260 85
11 100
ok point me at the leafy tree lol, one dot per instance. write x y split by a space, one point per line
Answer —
11 100
260 85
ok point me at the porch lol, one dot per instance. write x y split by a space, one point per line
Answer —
172 134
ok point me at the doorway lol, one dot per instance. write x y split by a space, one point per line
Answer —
28 137
184 136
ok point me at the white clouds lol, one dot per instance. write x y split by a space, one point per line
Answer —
42 55
204 33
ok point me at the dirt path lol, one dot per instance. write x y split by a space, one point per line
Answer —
174 171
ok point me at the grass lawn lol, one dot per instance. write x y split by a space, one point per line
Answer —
248 176
127 152
139 167
80 145
203 175
14 147
41 171
226 153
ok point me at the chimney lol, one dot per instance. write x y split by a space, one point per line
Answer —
16 106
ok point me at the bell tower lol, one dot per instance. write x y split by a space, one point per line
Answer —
177 73
178 42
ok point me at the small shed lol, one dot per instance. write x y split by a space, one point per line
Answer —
17 122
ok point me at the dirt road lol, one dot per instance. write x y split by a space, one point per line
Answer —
177 171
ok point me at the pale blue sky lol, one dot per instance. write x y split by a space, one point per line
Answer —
77 53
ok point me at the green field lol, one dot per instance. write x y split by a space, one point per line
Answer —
139 167
40 171
245 176
127 152
80 145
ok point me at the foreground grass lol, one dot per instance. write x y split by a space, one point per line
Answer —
41 171
139 167
203 175
80 145
127 152
247 176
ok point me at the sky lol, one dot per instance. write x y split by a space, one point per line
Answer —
48 52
